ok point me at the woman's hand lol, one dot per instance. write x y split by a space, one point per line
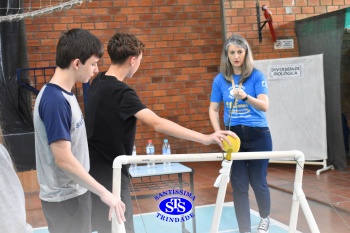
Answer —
239 94
261 102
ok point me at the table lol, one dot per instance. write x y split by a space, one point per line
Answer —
161 170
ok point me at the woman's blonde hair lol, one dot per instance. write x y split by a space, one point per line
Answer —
226 67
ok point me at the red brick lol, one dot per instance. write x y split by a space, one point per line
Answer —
313 2
320 9
60 27
235 4
338 2
301 3
300 16
289 18
249 4
332 8
307 10
326 2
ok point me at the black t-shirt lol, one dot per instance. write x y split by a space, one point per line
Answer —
110 124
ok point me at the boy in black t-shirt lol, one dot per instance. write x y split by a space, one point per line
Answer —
111 114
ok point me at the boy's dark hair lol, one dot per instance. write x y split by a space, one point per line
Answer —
77 44
123 45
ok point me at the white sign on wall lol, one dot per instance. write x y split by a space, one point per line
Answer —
285 71
284 44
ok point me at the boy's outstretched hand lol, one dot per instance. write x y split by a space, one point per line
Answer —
218 137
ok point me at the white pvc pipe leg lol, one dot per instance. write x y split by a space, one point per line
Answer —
116 226
222 181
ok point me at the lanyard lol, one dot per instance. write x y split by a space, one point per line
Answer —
234 86
235 102
234 89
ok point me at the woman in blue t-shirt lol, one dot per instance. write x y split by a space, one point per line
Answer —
244 93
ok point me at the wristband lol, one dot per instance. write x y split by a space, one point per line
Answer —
246 98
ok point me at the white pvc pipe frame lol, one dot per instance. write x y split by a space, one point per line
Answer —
298 193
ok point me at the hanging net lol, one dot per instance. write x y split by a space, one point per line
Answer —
16 10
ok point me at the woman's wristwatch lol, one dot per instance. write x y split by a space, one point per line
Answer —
246 98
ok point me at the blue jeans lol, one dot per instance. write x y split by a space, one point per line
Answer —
253 172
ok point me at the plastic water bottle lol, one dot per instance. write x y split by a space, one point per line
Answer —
133 165
166 151
150 151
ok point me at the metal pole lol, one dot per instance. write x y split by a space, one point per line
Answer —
258 20
223 23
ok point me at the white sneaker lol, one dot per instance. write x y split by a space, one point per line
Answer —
264 225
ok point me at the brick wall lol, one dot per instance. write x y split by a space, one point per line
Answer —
183 46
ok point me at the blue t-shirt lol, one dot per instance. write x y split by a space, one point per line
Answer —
243 113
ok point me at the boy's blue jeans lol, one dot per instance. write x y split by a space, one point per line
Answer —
253 172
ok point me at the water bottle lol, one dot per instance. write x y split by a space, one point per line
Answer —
133 165
166 151
150 151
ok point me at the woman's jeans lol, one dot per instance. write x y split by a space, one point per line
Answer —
253 172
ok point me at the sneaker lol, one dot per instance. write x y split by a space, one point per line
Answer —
264 225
